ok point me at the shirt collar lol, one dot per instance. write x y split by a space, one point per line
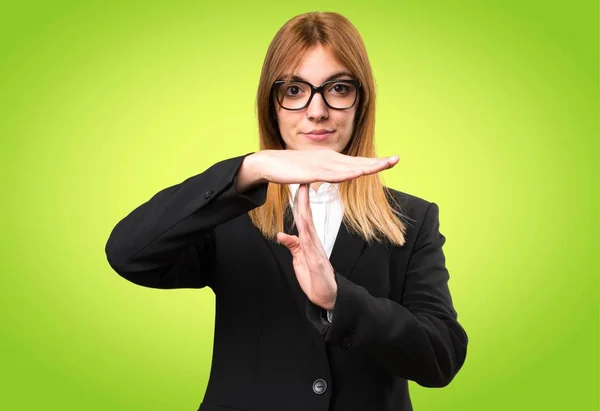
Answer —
327 192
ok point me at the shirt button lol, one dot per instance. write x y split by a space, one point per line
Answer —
208 194
347 342
319 386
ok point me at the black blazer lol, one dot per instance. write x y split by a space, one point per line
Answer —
393 319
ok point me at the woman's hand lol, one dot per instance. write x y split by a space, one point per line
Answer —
306 166
311 264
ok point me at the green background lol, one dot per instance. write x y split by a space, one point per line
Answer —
491 106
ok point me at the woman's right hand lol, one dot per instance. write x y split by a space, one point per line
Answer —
306 166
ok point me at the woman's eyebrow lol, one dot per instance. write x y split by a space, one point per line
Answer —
333 76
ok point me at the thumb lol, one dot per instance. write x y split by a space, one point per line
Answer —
290 241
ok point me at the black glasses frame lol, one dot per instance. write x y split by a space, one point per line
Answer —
314 90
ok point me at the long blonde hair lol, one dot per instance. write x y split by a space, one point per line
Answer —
366 202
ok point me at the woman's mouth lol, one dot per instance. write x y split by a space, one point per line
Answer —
319 135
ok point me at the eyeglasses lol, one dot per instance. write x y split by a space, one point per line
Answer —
297 94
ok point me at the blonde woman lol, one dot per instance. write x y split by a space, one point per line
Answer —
331 289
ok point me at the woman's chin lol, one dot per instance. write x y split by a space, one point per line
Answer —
314 146
318 146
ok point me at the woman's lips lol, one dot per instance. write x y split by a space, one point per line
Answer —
319 137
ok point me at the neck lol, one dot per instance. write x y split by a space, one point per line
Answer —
315 186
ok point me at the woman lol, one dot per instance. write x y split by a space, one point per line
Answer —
331 290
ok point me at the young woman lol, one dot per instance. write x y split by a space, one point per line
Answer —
331 289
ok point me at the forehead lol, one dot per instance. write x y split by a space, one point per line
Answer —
319 64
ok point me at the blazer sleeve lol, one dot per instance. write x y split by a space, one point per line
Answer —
168 241
415 335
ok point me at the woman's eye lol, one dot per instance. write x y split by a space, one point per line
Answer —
293 90
339 88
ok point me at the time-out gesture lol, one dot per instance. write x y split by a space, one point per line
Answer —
311 264
306 166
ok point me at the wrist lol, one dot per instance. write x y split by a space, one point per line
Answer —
249 174
253 163
331 304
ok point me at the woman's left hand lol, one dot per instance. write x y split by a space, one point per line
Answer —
311 264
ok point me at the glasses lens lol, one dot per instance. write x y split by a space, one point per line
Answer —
340 95
293 95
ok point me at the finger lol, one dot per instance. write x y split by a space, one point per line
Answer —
314 237
303 200
353 163
388 159
363 161
306 214
379 164
300 218
290 241
312 247
351 171
306 243
344 175
300 223
340 166
308 225
393 160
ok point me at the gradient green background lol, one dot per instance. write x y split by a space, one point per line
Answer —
492 107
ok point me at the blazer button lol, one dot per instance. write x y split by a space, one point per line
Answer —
319 386
347 342
208 194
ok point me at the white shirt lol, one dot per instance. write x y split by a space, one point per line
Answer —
327 213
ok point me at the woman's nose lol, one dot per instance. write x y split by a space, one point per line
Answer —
317 108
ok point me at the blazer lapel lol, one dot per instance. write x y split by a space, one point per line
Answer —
346 251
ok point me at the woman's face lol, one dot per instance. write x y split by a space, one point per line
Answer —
317 66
